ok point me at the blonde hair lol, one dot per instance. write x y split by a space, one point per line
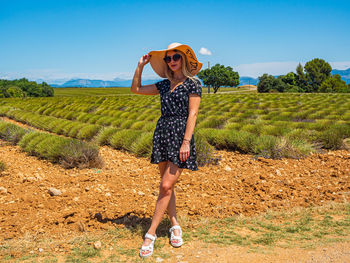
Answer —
170 74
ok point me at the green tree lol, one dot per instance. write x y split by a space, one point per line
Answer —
334 84
310 77
27 88
268 83
301 78
291 81
218 76
15 92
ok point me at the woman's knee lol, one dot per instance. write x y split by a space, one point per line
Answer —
166 187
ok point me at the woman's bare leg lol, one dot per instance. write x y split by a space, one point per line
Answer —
172 203
170 176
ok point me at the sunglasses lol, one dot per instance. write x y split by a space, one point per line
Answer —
175 57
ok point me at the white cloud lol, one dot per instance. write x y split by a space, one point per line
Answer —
273 68
59 76
205 51
340 65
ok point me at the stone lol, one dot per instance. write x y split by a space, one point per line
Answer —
3 190
54 191
97 245
228 168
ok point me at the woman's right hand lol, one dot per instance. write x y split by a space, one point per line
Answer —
144 60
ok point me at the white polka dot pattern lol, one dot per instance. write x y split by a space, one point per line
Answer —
171 126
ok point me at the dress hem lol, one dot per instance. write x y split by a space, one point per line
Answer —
174 162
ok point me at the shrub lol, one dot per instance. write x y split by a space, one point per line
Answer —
4 110
59 129
104 135
266 145
105 120
117 122
67 128
212 122
205 152
245 141
143 145
33 142
233 126
76 153
138 125
124 139
27 139
150 126
127 124
88 131
68 152
331 139
11 132
75 129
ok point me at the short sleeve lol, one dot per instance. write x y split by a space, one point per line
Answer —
161 85
195 87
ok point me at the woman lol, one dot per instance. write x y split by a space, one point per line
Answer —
173 141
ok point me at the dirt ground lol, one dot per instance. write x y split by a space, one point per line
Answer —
125 190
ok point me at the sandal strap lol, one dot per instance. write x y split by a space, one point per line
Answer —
151 237
175 237
149 247
177 227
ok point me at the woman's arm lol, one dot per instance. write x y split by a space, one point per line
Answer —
194 101
136 81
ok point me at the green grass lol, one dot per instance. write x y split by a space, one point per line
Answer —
299 228
2 166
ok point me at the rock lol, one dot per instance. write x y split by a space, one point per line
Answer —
54 191
3 190
97 245
29 179
81 226
141 193
227 168
108 194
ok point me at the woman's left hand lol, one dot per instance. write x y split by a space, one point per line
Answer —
184 151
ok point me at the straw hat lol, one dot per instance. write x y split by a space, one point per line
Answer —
159 66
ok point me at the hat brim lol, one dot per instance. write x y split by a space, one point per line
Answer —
159 66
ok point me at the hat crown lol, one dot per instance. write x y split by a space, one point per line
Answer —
174 45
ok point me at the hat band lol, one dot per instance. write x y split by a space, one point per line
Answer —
193 65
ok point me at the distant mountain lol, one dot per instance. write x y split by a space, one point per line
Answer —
95 83
117 82
248 81
344 74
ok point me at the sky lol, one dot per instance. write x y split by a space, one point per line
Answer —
105 39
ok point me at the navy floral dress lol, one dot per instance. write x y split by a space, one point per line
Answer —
170 129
